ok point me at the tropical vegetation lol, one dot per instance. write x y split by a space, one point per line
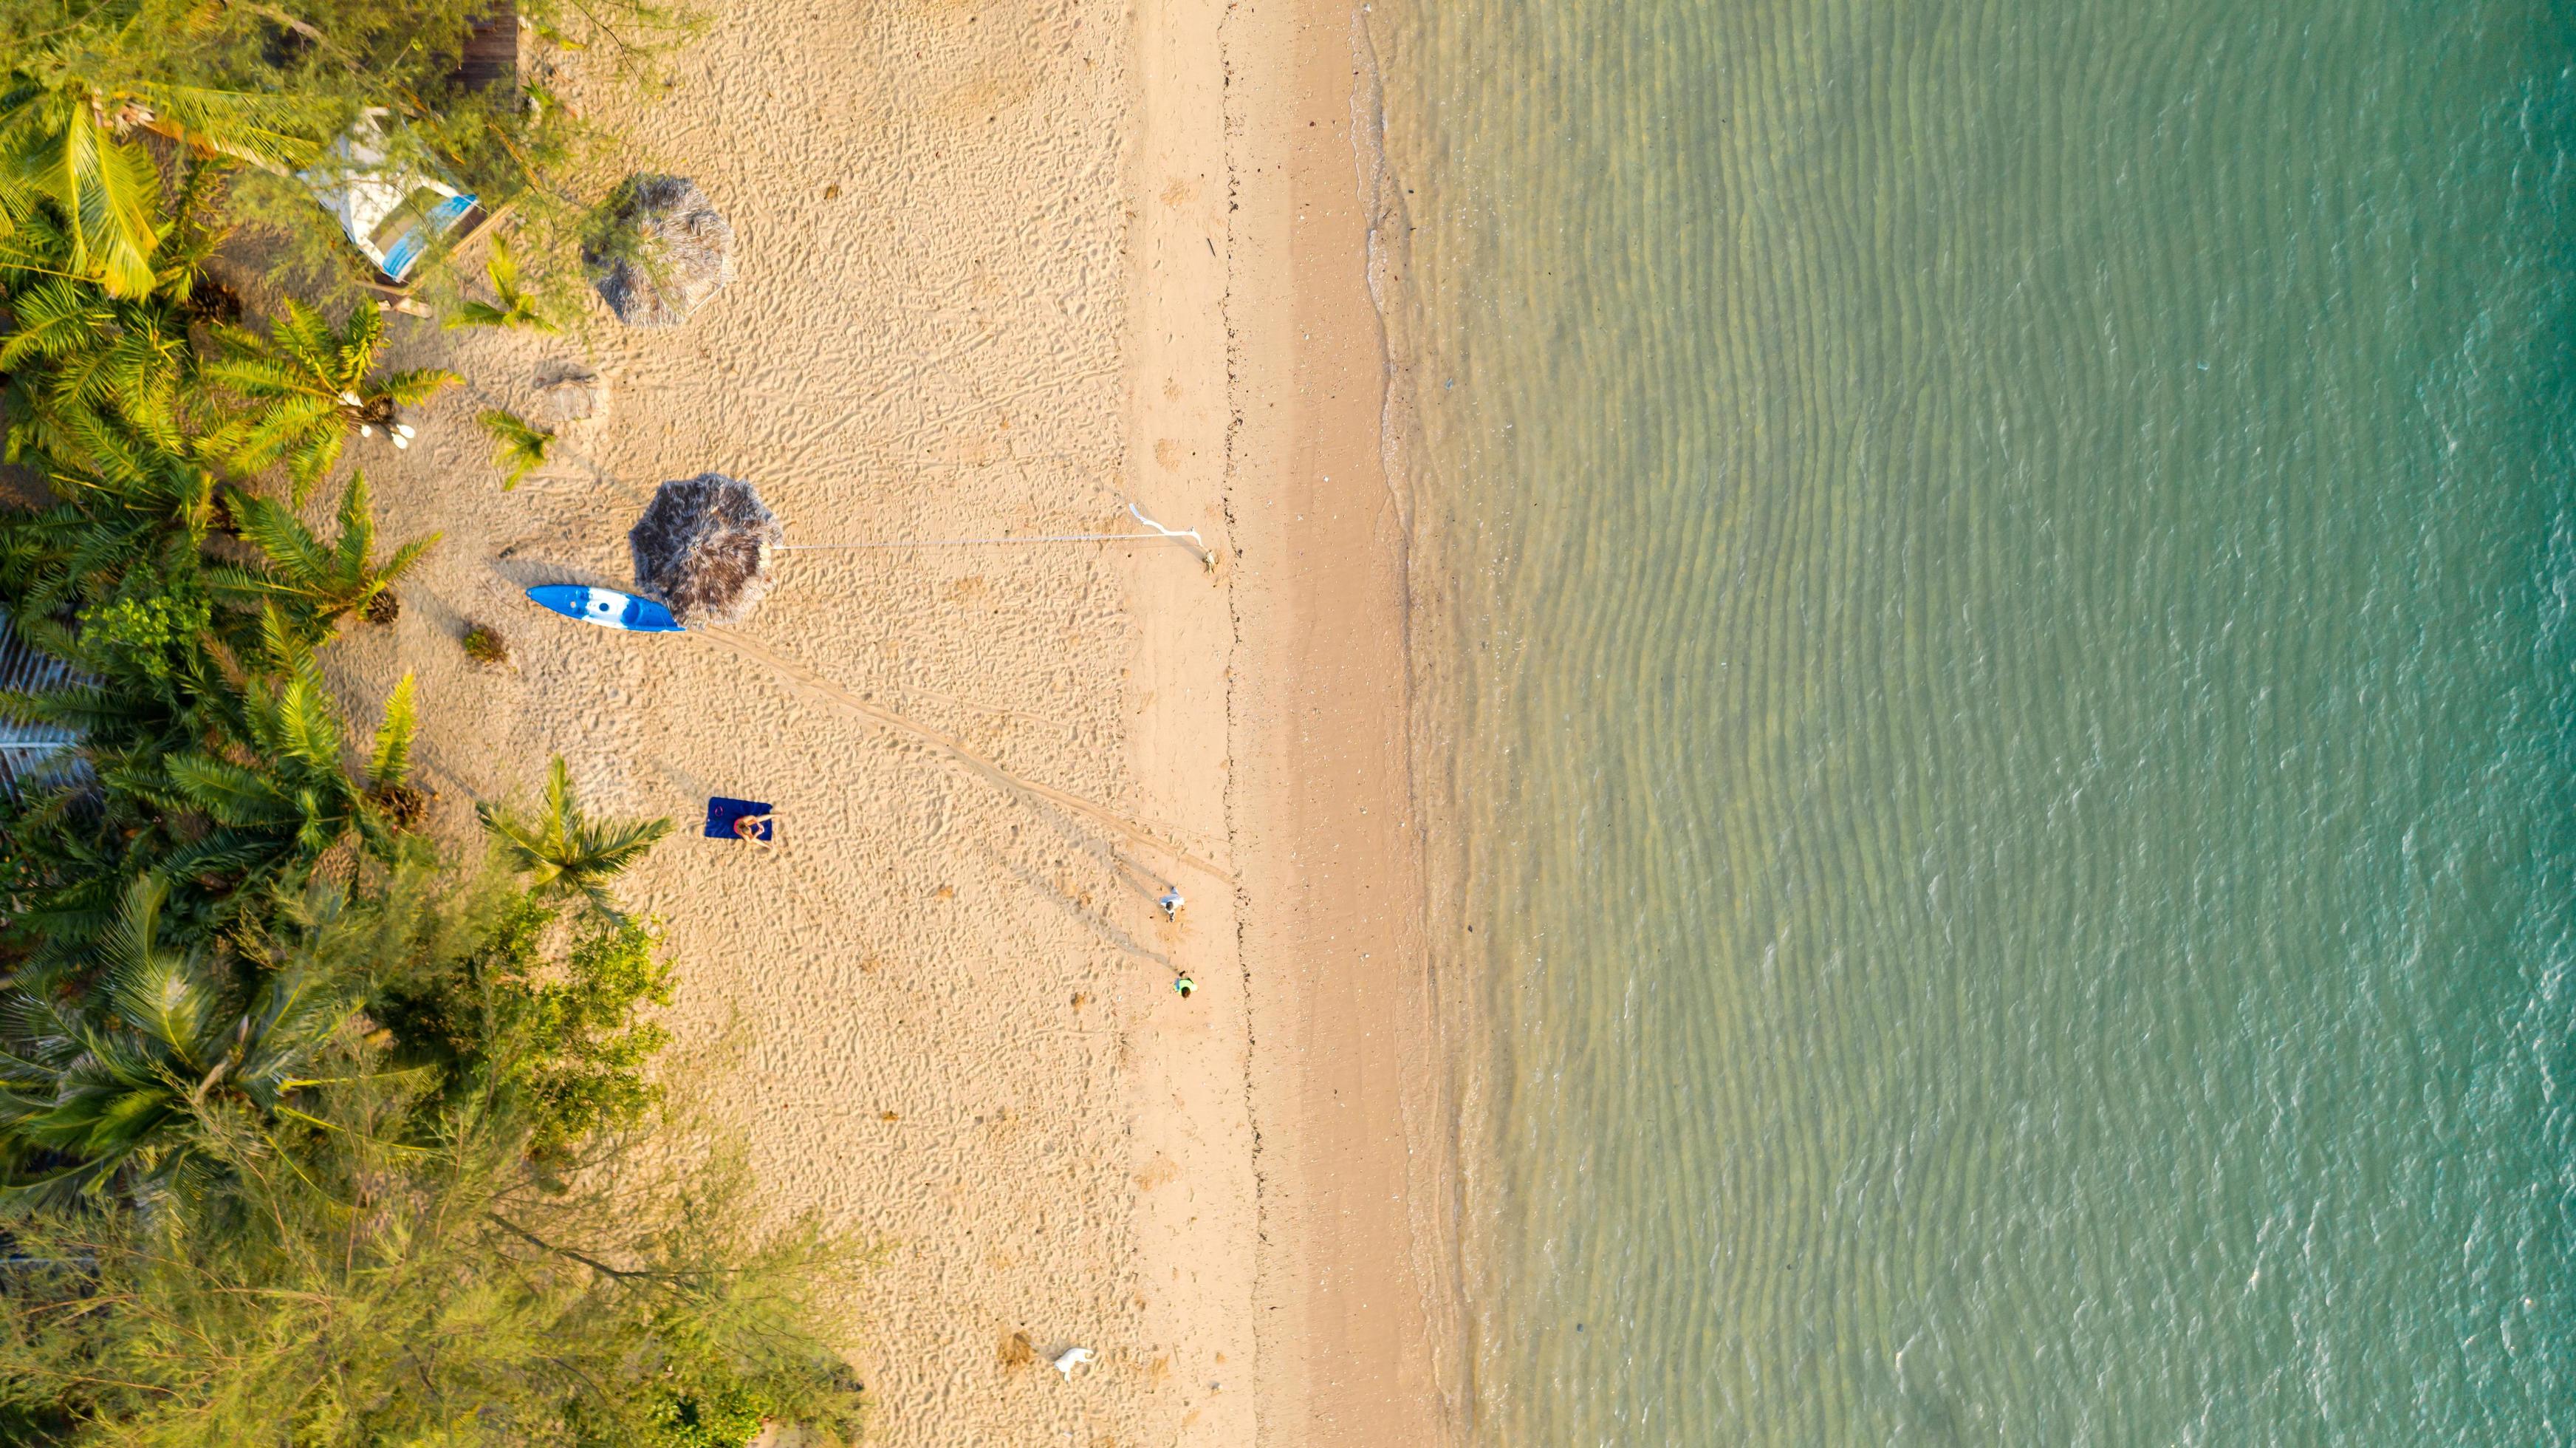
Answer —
302 385
322 582
101 100
484 644
512 304
315 1128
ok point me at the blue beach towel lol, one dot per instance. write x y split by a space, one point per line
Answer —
722 812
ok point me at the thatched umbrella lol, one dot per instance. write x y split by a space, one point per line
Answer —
664 251
703 548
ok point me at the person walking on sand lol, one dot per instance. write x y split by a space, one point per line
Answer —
1172 903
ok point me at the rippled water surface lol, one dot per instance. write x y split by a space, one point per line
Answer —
1997 611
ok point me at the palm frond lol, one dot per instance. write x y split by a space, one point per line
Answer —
294 554
563 851
404 557
306 337
391 760
230 851
357 526
54 318
514 307
229 793
159 993
107 190
283 648
519 446
307 730
277 133
415 386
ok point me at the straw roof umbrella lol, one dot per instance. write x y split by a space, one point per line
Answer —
665 250
703 547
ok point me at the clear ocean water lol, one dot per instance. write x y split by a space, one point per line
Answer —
2005 690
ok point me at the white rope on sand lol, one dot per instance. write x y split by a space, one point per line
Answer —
1187 535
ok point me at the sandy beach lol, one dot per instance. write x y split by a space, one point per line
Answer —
1004 268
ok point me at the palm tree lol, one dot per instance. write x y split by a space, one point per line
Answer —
79 359
56 146
132 507
519 446
564 852
324 582
517 307
120 1091
271 782
306 384
70 112
70 845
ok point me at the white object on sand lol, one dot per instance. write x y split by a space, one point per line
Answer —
1074 1357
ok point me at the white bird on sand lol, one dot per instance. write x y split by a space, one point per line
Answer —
1074 1357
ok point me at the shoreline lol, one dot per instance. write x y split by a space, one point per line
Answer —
1349 1083
1253 257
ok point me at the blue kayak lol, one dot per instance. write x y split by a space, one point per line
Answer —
606 607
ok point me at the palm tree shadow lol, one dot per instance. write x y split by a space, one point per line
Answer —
1073 909
1138 881
525 573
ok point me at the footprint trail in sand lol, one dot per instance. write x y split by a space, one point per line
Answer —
805 681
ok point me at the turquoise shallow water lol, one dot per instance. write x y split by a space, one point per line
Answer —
2004 687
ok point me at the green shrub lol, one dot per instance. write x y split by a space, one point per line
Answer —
147 630
385 1278
546 999
484 644
585 1049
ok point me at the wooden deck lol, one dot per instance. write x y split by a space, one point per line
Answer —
491 56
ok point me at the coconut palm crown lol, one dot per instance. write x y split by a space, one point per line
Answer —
304 384
562 851
119 1085
81 361
73 111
